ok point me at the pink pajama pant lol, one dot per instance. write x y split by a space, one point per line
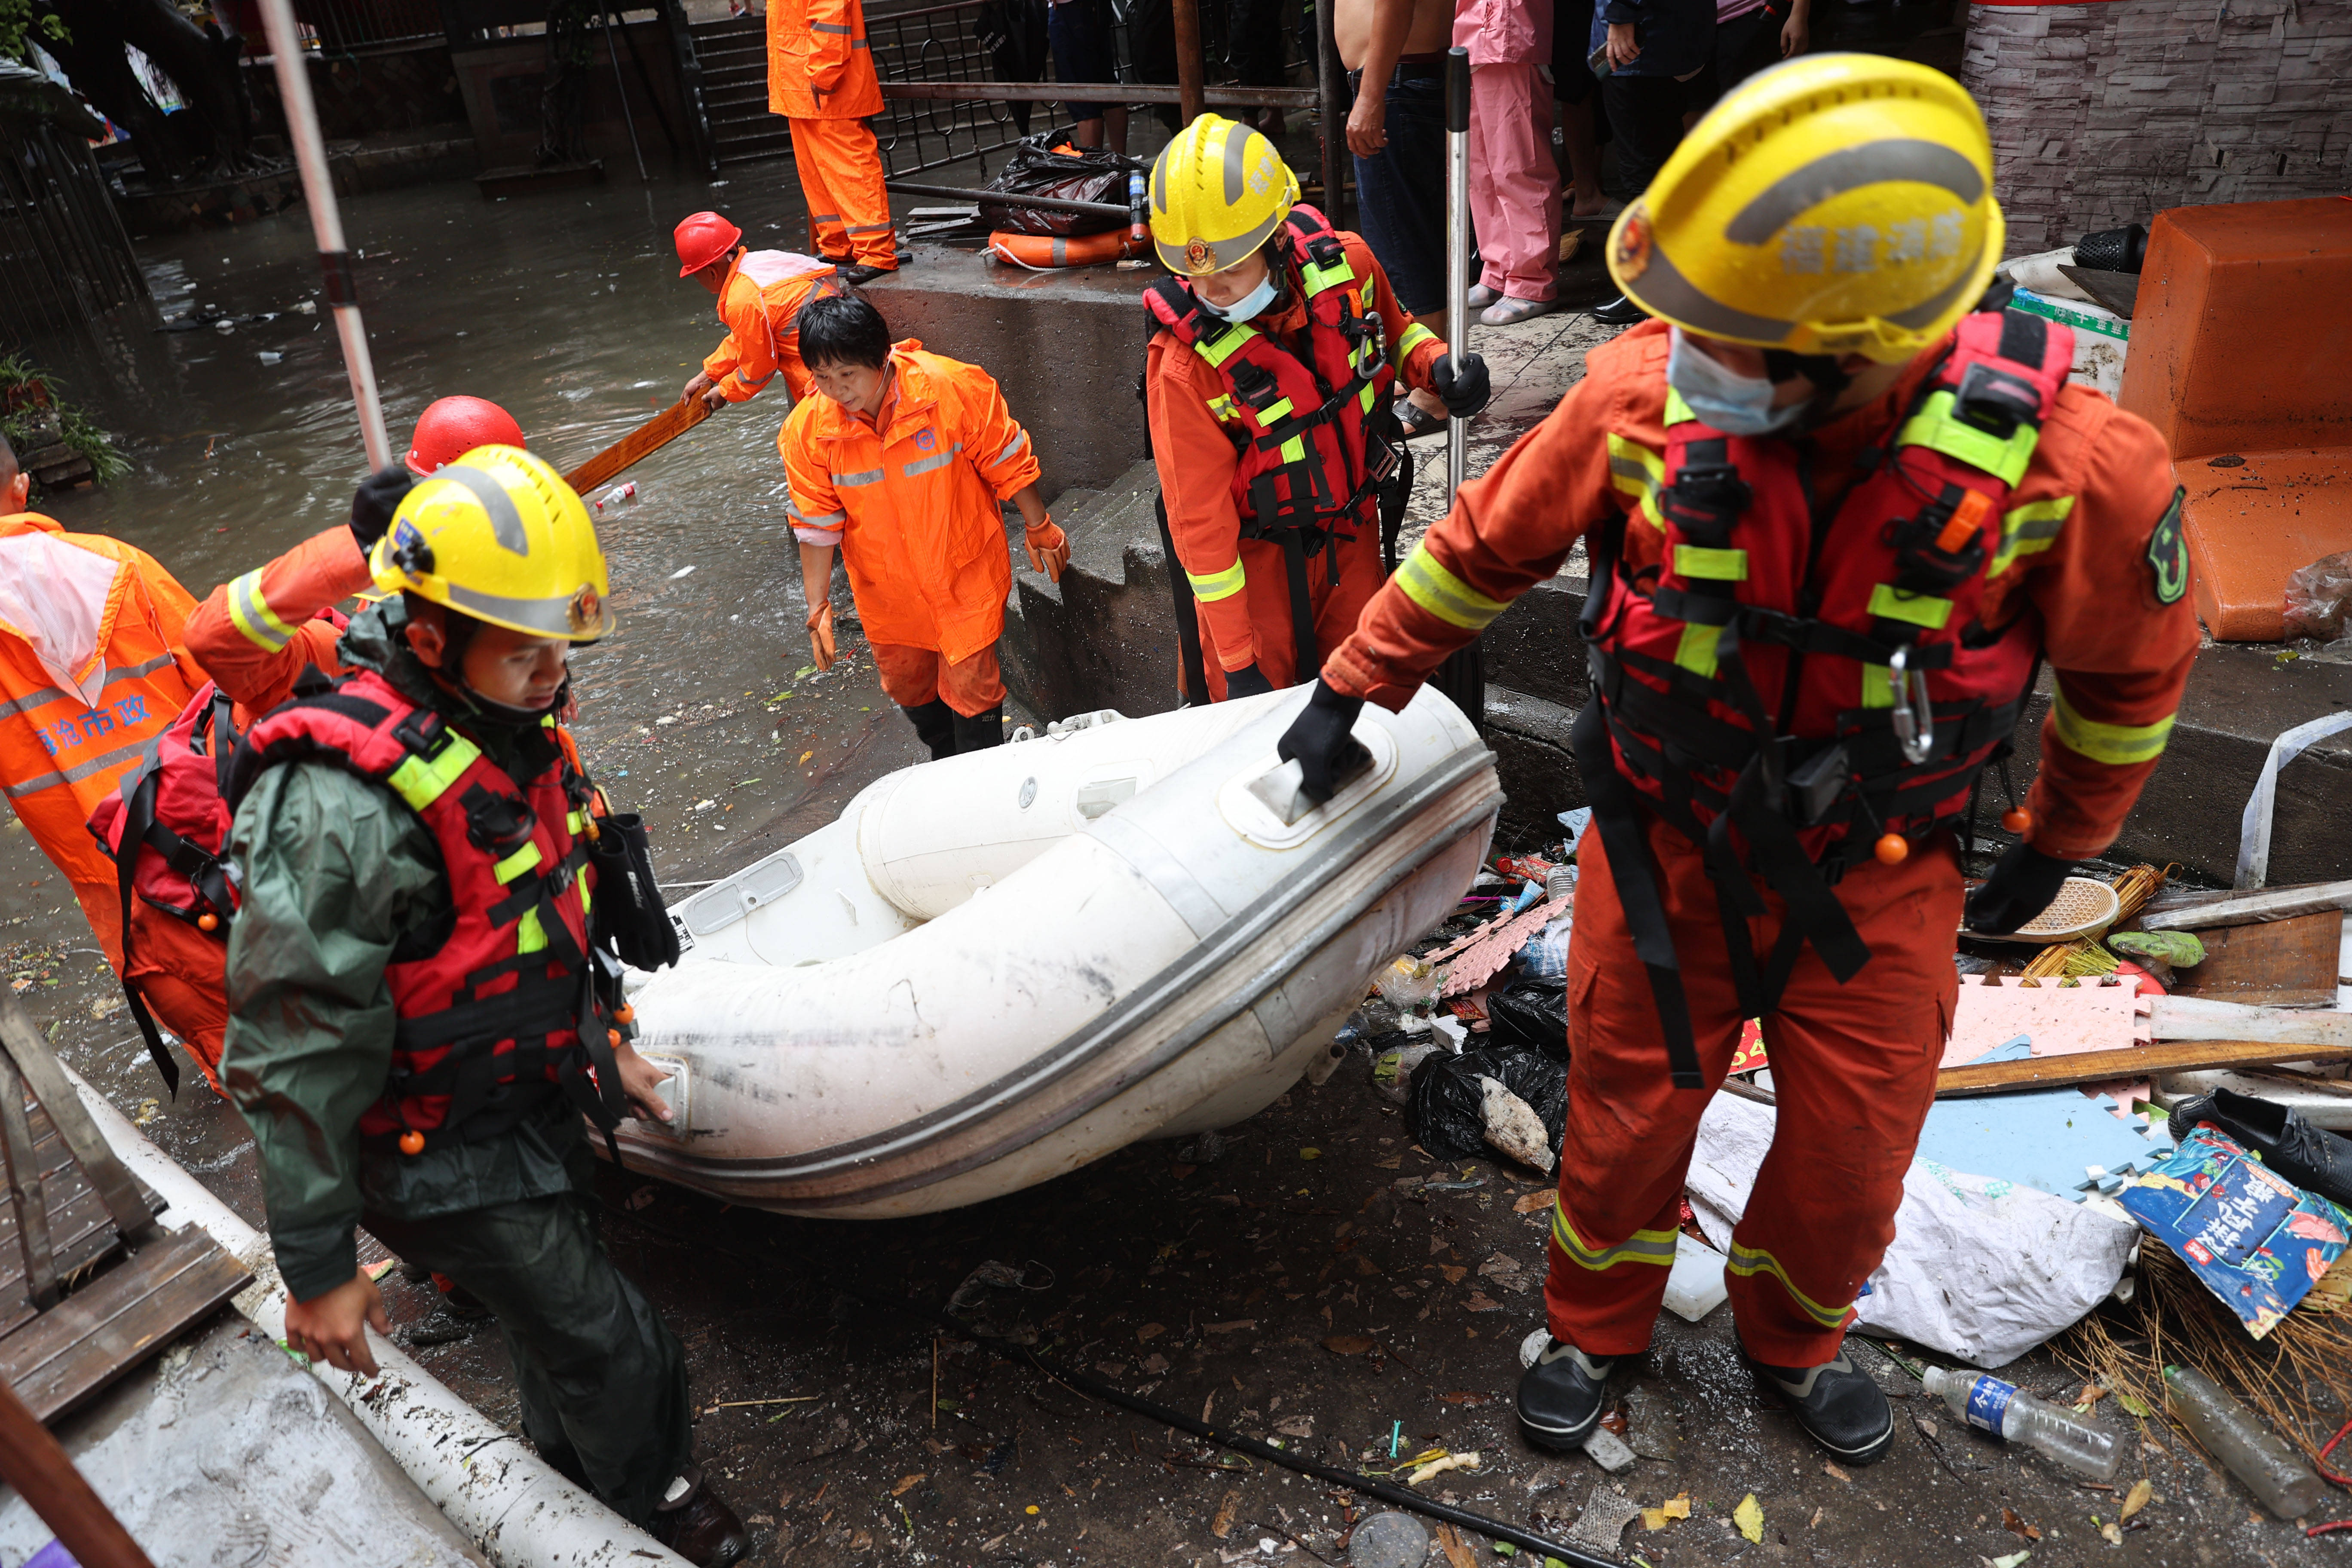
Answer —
1514 181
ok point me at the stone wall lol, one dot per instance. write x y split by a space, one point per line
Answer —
2104 114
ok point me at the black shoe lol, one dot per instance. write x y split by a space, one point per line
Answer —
2311 1157
697 1525
1840 1406
861 273
981 731
1618 312
935 726
1561 1396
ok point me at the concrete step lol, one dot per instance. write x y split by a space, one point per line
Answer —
753 71
729 52
735 99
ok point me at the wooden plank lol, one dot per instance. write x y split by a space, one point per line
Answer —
2274 963
28 1048
2196 1018
117 1320
2099 1067
638 444
2270 904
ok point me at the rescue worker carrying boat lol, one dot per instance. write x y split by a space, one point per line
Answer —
1274 350
1838 516
422 979
760 297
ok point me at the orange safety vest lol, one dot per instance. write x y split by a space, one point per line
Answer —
65 747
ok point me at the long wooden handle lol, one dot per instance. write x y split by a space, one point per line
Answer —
2141 1061
32 1462
638 444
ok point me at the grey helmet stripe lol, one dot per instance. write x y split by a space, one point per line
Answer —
546 618
1237 140
1925 162
506 523
1919 315
1663 290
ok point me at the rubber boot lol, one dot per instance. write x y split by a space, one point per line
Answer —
981 731
935 725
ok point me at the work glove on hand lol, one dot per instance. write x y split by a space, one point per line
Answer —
1249 680
1049 549
2021 886
372 504
1465 388
820 631
1320 742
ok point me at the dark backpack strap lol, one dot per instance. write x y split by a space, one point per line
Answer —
1192 671
138 817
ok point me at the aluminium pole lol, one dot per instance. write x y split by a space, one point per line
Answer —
1457 246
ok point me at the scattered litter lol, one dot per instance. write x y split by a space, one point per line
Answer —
1440 1466
270 356
2270 1466
2176 949
1694 1286
2057 1020
1345 1344
1609 1451
2014 1560
1676 1507
2257 1241
1410 984
1749 1517
681 573
1514 1128
1532 1013
2317 596
619 493
1650 1428
1606 1514
1532 1347
1991 1405
1447 1114
1393 1069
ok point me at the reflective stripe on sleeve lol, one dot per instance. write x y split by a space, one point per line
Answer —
1442 595
2029 529
250 611
2118 745
1012 448
837 30
1217 585
1639 472
830 519
1415 336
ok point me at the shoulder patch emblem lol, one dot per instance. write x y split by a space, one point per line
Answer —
2168 554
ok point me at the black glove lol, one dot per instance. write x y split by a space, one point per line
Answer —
1466 389
1320 743
2020 888
372 504
1247 682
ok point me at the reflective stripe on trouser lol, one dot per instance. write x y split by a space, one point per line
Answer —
913 676
1854 1068
1265 594
840 165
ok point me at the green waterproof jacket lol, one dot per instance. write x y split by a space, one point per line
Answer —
337 869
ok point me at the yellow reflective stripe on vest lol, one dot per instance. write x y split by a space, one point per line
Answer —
1750 1260
516 864
1442 595
529 935
1919 609
1936 428
1228 411
1642 1246
1225 345
1697 651
576 824
2029 529
1278 410
1217 585
1716 565
1640 473
2118 745
420 782
581 877
1318 278
249 612
1678 411
1293 450
1415 336
1877 686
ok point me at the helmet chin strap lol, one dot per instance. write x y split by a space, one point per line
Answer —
1830 380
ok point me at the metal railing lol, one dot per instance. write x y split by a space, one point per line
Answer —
61 243
344 26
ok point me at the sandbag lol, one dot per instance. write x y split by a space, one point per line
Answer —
1051 163
1445 1109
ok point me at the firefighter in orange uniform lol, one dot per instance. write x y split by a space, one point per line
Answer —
760 297
1837 518
821 77
905 464
1273 349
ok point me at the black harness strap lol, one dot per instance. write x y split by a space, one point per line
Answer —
1192 671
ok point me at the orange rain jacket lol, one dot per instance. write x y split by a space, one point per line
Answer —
254 634
819 66
917 506
60 754
1196 462
2120 658
761 303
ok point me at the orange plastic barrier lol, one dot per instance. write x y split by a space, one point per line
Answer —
2241 358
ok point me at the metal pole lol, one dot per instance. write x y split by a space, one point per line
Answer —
1331 86
33 1463
326 221
1005 199
612 52
1190 72
1457 246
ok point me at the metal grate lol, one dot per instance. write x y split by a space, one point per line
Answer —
345 26
61 245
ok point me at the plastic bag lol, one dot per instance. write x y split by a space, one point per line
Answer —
1530 1014
2317 596
1050 165
1445 1109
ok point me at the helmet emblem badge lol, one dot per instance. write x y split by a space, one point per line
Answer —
1631 257
1197 255
586 609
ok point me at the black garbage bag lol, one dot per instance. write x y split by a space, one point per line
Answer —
1446 1110
1051 163
1531 1013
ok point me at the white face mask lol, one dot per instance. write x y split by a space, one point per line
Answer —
1249 304
1734 404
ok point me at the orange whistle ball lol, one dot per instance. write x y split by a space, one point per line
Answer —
614 1036
1893 849
2017 820
412 1142
208 921
625 1013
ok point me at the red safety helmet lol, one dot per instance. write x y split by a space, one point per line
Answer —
453 426
703 239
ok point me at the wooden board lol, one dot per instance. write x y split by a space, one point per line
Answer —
2203 914
118 1319
80 1230
2277 964
638 444
2142 1061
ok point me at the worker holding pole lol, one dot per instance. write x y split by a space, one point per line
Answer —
760 297
1840 508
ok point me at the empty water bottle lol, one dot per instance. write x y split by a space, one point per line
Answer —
2002 1409
2257 1456
617 494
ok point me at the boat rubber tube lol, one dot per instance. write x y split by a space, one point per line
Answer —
498 1494
1040 252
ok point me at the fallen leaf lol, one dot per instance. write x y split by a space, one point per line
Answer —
1348 1344
2092 1394
1151 1330
2136 1498
1676 1507
2017 1526
2135 1407
1835 1474
2011 1560
804 757
1394 1162
1653 1519
1453 1274
1543 1198
1457 1554
1481 1303
907 1483
1227 1506
1749 1517
1816 1519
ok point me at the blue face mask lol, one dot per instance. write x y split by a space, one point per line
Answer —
1249 304
1734 404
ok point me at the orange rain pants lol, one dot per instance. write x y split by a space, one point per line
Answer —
841 179
912 677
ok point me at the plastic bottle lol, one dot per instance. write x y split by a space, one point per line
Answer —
1993 1405
2271 1469
617 494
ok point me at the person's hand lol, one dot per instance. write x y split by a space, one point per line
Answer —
1049 549
333 1328
2021 886
1464 389
696 385
372 504
1793 36
1249 680
714 399
1368 122
639 1080
1623 46
1322 742
820 631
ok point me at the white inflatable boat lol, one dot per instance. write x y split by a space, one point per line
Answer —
996 968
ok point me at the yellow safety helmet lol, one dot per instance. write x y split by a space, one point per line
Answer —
497 535
1217 191
1831 205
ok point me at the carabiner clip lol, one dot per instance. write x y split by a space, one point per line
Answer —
1914 718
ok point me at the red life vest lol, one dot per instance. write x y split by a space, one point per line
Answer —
1747 685
493 1006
